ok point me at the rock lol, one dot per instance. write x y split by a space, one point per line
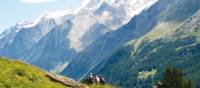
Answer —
64 80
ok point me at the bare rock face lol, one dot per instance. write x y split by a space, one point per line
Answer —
64 80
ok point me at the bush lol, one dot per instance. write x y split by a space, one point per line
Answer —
33 77
20 72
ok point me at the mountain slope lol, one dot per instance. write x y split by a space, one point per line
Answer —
52 50
15 74
19 75
158 49
60 45
95 56
17 40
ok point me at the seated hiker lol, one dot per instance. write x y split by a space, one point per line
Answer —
102 80
90 79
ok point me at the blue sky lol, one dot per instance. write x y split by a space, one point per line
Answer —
12 11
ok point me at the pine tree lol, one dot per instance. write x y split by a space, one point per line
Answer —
174 78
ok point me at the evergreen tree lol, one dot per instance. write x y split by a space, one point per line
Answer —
174 78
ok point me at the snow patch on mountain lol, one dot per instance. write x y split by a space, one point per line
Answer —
111 13
133 7
57 16
44 17
82 24
23 22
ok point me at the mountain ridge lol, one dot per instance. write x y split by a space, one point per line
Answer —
179 48
103 47
82 34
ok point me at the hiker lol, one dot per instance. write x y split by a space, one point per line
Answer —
90 79
97 79
102 80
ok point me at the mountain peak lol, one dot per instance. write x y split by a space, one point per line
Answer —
94 4
23 22
48 16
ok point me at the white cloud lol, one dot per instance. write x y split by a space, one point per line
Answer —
37 1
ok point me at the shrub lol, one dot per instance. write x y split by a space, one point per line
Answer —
20 72
33 77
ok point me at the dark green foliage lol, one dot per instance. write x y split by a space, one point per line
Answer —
122 68
20 72
174 78
33 77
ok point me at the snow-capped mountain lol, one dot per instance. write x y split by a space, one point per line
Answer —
18 39
55 39
111 13
98 52
52 50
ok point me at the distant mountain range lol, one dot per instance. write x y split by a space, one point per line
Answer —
71 32
117 38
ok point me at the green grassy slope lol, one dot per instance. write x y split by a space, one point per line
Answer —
15 74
